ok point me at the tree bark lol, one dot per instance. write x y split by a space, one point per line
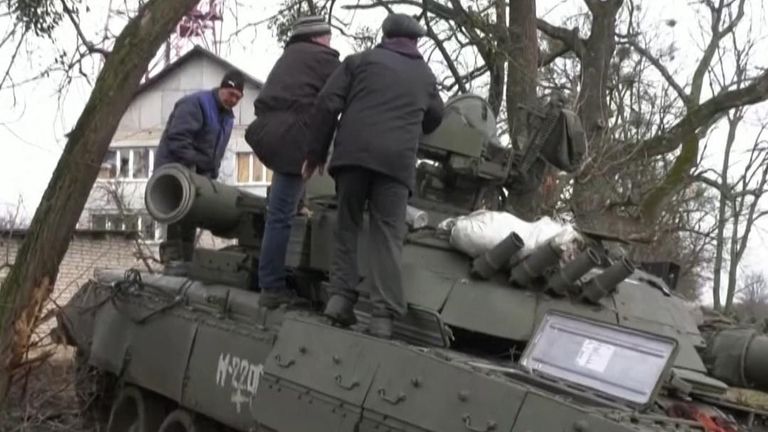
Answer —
31 280
522 73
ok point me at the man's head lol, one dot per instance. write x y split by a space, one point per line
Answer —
231 88
398 25
313 28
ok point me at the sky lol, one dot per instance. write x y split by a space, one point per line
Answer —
34 117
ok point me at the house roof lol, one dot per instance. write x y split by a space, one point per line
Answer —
196 51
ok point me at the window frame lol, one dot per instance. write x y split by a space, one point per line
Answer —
118 151
252 161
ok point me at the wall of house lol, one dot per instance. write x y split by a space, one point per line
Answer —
88 251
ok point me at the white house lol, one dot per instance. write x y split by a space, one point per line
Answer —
117 200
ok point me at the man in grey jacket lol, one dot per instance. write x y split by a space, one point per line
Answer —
388 98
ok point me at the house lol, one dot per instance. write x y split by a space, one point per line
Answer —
116 201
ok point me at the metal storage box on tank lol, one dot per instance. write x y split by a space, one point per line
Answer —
623 364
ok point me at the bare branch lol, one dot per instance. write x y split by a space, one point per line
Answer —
92 49
570 38
661 68
702 115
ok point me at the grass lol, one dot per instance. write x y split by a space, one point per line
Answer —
44 399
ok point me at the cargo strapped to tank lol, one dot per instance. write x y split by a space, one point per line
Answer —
619 363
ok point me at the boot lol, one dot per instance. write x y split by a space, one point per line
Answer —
273 299
381 324
340 310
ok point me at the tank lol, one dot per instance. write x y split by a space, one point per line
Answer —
500 341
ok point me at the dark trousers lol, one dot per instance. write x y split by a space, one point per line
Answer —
179 242
387 200
284 195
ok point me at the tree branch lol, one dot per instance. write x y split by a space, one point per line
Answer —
570 37
92 49
702 115
661 68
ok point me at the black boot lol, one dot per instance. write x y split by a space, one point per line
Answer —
340 310
273 299
381 324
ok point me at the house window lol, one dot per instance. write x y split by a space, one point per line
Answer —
250 170
108 168
147 227
128 163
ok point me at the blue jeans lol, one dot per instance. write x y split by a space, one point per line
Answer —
283 199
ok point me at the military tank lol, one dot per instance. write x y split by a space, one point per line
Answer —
498 340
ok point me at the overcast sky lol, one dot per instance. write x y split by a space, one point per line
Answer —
33 123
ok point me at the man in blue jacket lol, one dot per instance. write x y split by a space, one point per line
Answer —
196 136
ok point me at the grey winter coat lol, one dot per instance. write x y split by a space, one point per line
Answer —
388 98
278 135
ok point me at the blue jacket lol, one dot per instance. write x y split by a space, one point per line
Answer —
196 134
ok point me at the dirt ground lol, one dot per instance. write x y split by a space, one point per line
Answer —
44 400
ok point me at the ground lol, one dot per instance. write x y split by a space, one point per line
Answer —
45 401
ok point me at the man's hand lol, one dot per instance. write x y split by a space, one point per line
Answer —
308 168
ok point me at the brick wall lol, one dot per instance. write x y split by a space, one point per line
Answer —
88 250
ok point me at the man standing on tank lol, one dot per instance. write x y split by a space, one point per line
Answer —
278 137
196 135
388 98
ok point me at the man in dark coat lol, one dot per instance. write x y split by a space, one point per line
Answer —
196 135
278 138
388 98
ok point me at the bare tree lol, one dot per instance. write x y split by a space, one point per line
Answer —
25 289
113 195
752 295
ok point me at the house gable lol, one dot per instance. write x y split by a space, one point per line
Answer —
197 70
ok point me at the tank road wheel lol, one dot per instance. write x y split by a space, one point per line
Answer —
135 410
184 421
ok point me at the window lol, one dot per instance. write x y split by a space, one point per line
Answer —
128 163
108 166
249 169
147 227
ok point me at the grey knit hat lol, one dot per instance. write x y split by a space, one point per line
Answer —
313 25
402 25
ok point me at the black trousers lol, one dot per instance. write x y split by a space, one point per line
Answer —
179 242
387 200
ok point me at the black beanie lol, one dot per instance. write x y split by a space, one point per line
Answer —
233 79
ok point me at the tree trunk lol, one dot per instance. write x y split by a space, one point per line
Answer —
31 280
522 74
522 66
733 124
592 108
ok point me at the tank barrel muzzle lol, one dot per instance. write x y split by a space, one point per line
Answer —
605 283
485 265
564 280
542 257
739 357
175 193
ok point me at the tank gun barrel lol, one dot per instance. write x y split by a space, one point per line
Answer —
543 256
563 281
174 193
490 262
605 283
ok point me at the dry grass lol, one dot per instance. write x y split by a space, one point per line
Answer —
43 400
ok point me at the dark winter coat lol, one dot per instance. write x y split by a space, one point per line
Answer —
388 98
197 133
278 135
